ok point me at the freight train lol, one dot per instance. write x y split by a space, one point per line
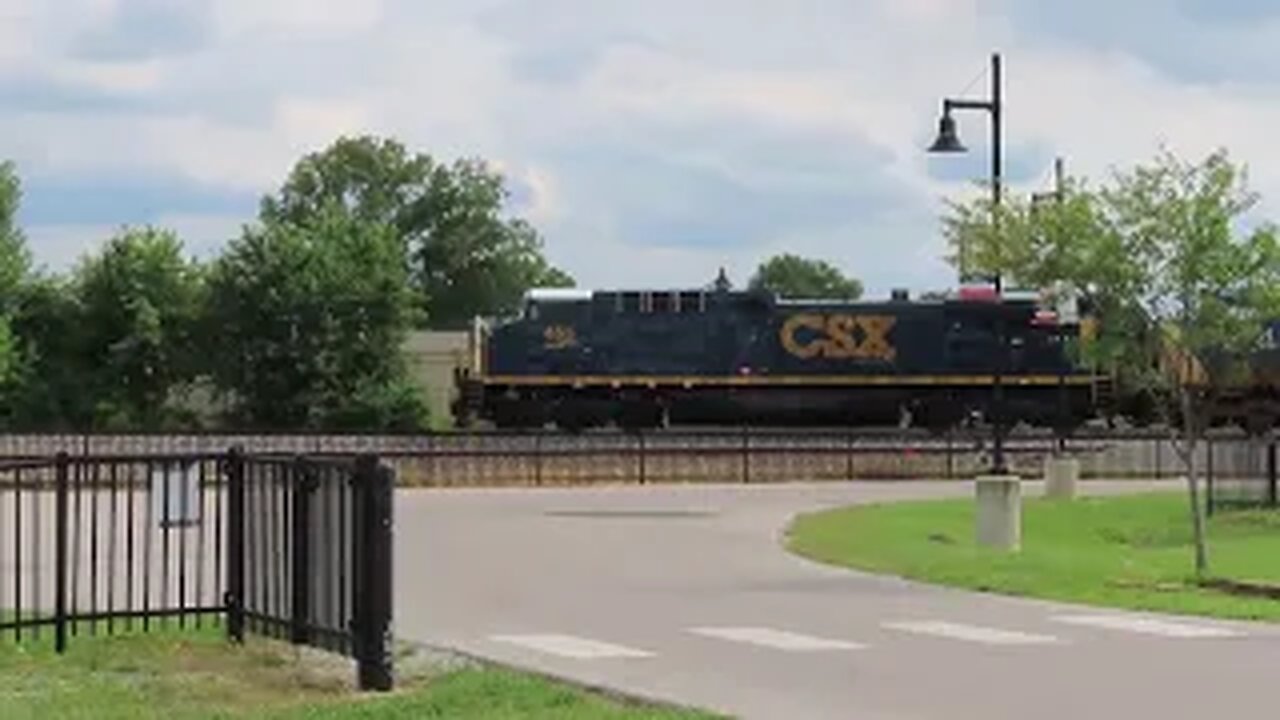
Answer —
647 359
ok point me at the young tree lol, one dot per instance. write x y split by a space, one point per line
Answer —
1179 289
1207 290
793 276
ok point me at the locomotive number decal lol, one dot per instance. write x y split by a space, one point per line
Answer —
559 337
839 336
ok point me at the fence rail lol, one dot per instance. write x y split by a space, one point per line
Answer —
722 455
297 548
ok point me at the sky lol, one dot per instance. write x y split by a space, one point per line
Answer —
651 143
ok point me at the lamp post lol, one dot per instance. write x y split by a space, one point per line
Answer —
948 141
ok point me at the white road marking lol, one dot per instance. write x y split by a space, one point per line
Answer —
972 633
776 639
1147 626
571 647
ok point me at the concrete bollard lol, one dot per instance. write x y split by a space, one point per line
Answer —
999 515
1061 476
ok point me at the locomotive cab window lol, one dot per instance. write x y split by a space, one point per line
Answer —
693 302
662 302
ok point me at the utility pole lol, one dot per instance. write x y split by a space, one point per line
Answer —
1059 196
1059 179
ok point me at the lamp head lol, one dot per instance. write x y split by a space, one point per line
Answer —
948 141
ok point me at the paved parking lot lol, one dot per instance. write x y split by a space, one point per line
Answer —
684 594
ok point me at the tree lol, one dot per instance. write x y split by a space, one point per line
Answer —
137 302
463 257
307 325
1159 256
48 389
15 263
1207 288
792 276
1066 244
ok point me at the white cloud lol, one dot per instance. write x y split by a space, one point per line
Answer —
124 78
545 204
325 17
622 119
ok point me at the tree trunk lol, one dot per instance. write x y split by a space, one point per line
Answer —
1191 431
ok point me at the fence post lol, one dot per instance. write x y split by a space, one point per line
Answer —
1208 482
1272 498
304 483
234 599
746 454
848 455
537 458
372 574
640 441
951 458
60 551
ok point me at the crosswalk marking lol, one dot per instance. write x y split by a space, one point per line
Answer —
972 633
776 639
570 646
1148 626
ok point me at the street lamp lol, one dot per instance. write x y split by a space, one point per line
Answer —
948 141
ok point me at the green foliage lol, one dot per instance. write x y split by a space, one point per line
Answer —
1182 293
791 276
15 262
137 301
307 323
1213 288
48 389
15 257
1155 253
465 259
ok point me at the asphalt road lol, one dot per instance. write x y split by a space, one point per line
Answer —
684 594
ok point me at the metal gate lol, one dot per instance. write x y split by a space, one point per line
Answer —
297 548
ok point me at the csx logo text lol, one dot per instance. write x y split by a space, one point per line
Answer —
834 336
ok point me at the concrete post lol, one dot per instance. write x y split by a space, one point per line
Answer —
999 514
1061 475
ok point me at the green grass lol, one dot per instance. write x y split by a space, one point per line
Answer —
1130 552
181 676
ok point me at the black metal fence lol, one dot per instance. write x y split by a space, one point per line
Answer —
292 547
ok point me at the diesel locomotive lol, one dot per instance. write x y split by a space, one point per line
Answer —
646 359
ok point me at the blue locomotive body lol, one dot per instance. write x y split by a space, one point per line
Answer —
644 359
